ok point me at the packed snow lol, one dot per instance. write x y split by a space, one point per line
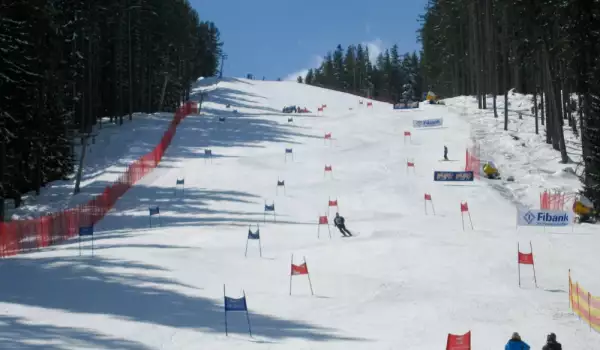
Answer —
405 280
520 152
109 151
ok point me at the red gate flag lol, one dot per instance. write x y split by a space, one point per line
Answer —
320 109
332 203
323 220
428 198
298 270
369 104
410 164
328 135
407 133
525 259
464 208
459 342
328 168
323 106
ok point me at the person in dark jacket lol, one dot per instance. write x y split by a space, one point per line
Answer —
551 343
515 343
339 222
445 153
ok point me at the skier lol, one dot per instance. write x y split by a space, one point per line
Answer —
515 343
446 153
339 223
551 343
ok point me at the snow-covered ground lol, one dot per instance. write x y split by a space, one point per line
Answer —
404 282
113 148
520 152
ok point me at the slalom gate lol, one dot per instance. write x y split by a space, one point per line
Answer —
24 235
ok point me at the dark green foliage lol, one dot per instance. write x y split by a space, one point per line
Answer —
65 64
351 71
547 48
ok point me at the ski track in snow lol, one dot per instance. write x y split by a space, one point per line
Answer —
404 282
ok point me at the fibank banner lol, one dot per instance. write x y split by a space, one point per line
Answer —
452 176
427 123
527 217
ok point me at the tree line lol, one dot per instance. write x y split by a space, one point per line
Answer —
390 78
546 48
66 64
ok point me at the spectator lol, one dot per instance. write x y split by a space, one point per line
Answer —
515 343
551 343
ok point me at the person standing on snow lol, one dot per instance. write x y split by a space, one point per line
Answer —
551 343
445 153
339 222
515 343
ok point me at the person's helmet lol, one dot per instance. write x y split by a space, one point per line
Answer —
337 214
516 336
551 337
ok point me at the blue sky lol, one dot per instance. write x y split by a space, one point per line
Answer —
281 38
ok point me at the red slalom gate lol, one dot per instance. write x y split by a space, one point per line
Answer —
459 342
24 235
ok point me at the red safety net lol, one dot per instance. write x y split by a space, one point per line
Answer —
552 200
23 235
473 162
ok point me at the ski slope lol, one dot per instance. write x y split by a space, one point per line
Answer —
404 282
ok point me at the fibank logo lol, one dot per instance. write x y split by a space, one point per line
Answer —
529 217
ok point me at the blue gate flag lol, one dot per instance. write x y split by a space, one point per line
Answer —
86 231
233 304
221 119
452 176
154 211
288 150
208 152
180 182
270 207
280 183
255 235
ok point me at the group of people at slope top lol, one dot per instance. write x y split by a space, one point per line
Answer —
515 343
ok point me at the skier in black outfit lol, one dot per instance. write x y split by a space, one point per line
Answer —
445 153
551 343
339 223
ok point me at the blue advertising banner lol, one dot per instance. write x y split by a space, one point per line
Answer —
452 176
428 123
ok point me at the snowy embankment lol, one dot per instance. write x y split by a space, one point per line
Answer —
520 152
112 149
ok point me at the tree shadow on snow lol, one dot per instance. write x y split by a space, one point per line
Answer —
192 207
20 334
103 286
